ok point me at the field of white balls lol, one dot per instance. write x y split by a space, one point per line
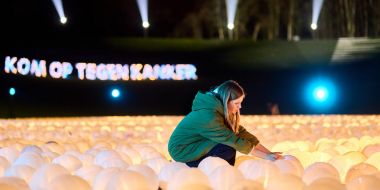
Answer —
323 152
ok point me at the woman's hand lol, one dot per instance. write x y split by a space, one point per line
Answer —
274 156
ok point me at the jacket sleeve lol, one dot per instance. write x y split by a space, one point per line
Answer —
217 131
243 133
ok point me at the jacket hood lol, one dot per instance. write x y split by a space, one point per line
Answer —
208 101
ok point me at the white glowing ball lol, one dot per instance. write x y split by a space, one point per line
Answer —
319 170
325 184
130 152
114 163
9 153
289 167
45 174
128 180
31 159
360 170
49 156
147 152
374 160
188 177
195 186
4 164
71 163
149 174
168 171
32 148
13 183
105 155
209 164
366 182
247 184
104 177
53 147
285 181
260 170
156 164
88 172
67 181
371 149
224 177
87 159
21 171
242 158
345 162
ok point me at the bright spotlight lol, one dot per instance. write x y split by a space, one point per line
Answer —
59 7
231 10
145 24
320 94
143 7
230 26
115 93
12 91
314 26
63 20
317 6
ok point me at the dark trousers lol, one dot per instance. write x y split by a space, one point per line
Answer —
220 150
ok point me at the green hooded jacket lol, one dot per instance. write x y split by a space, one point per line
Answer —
203 128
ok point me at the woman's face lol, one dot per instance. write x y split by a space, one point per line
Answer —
235 105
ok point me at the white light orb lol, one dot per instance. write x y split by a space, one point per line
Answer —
247 184
45 174
209 164
360 170
71 163
31 159
371 149
224 177
374 160
104 177
13 183
9 153
366 182
289 167
128 180
168 171
130 152
186 177
21 171
325 184
259 170
105 155
62 182
319 170
4 164
285 181
88 172
149 174
156 164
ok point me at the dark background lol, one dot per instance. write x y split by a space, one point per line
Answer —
272 68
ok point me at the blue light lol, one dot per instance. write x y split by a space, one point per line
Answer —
320 94
12 91
115 93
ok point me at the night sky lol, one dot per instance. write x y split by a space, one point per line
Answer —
92 17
